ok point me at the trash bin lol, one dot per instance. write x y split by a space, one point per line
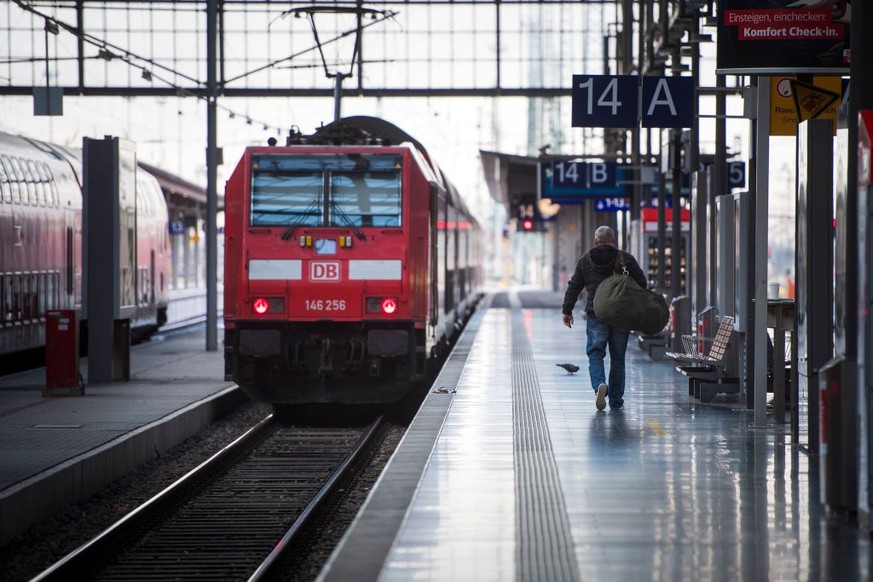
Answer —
62 354
837 437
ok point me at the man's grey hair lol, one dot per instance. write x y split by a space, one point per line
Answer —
604 236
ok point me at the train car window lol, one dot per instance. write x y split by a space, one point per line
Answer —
4 308
42 193
48 181
28 185
36 287
54 196
26 297
14 179
326 190
69 261
23 181
43 171
14 298
37 183
285 198
19 293
5 189
42 299
50 287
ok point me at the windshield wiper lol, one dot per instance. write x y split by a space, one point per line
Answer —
299 220
348 221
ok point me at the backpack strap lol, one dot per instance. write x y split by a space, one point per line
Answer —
619 262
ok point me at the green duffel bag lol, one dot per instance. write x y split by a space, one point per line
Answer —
621 302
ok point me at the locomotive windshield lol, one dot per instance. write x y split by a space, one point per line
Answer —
326 190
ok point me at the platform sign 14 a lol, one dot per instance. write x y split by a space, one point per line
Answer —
627 101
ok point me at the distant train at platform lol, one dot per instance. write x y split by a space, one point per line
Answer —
41 243
351 264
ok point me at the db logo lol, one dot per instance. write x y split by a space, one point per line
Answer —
324 271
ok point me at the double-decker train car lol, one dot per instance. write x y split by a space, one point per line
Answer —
41 243
351 263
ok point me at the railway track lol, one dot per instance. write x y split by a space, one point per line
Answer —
229 518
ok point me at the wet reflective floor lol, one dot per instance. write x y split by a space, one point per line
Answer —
529 481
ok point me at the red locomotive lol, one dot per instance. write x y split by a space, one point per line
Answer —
41 243
350 265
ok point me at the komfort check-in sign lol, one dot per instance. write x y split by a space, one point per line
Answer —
783 37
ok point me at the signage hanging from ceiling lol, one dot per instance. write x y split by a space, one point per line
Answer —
626 101
758 37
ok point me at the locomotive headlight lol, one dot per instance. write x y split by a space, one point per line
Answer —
384 305
262 305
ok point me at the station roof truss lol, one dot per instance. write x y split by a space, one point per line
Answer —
180 192
429 48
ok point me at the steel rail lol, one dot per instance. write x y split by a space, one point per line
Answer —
275 556
71 566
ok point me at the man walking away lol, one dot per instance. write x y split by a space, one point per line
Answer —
601 261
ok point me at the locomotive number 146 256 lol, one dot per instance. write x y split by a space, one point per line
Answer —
325 305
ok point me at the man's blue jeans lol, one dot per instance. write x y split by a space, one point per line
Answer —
600 336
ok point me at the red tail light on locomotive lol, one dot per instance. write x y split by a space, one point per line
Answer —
385 305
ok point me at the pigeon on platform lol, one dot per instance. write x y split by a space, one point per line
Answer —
572 368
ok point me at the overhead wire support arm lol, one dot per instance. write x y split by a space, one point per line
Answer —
338 76
386 15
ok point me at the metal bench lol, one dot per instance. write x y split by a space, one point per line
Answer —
706 372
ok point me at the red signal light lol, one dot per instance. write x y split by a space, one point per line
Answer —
389 305
260 305
527 224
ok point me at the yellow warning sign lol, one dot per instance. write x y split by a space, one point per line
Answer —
811 101
820 100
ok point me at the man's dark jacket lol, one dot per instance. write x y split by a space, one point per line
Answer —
595 266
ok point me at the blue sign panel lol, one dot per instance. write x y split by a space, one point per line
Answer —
585 175
619 101
736 174
668 102
605 101
568 182
611 205
176 227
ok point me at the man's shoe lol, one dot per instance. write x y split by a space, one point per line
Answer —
601 396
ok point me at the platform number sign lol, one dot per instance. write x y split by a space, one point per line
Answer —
736 174
626 101
586 175
604 101
667 102
526 210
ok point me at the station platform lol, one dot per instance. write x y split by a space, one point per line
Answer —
509 472
59 450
